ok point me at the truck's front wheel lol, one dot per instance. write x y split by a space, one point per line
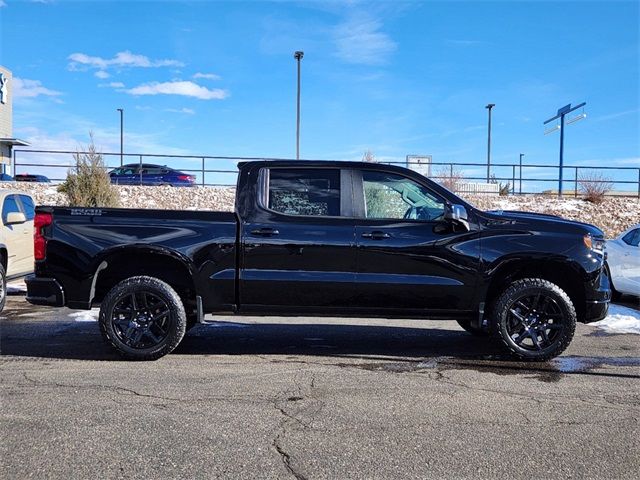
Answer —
143 318
535 319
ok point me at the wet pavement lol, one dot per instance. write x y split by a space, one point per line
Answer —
264 397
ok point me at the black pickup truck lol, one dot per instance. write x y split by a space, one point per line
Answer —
323 238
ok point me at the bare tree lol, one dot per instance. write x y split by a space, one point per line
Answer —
450 178
368 156
594 186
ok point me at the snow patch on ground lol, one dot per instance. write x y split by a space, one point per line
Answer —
86 315
16 287
620 320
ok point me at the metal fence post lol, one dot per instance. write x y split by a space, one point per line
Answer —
513 180
203 171
575 186
140 169
639 183
451 173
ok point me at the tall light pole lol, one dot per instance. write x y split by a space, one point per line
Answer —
489 107
521 155
561 114
298 56
121 135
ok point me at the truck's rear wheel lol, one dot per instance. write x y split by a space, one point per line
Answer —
534 319
143 318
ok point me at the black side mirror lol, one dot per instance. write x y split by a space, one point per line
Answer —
457 214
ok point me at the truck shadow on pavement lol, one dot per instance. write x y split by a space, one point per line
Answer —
397 349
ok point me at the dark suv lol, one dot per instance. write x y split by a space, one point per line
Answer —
149 174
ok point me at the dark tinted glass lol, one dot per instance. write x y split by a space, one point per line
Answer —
28 206
632 238
10 205
310 192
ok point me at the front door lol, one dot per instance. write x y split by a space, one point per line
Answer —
298 248
408 257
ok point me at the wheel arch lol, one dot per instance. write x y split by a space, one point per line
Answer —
167 265
561 272
4 256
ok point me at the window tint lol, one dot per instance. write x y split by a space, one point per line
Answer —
10 205
152 170
392 196
304 191
28 206
632 238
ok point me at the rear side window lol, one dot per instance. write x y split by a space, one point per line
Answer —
632 238
28 206
304 191
10 205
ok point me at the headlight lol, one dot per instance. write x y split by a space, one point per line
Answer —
597 245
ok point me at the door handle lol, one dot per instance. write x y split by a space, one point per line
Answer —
265 232
377 235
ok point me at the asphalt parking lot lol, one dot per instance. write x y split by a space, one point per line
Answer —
310 399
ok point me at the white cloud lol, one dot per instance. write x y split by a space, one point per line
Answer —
2 4
208 76
359 40
112 84
187 111
25 88
102 74
82 61
185 88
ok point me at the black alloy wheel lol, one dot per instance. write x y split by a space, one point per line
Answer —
534 319
143 318
534 322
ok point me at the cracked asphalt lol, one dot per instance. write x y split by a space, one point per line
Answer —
312 398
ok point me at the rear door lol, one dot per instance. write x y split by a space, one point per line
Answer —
408 257
298 243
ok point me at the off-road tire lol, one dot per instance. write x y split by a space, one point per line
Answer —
3 287
176 324
534 287
466 325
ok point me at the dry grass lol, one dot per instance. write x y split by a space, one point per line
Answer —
594 186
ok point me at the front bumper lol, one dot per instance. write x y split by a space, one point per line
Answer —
598 299
44 291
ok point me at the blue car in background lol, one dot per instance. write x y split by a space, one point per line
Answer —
149 174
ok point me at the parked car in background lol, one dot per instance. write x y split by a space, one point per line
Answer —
5 177
27 177
623 262
16 233
149 174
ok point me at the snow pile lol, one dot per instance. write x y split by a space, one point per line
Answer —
85 315
16 288
620 320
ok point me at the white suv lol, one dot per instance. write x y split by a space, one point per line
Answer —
16 238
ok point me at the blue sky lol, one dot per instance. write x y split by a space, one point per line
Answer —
398 78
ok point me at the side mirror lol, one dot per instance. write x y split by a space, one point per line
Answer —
457 214
15 217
